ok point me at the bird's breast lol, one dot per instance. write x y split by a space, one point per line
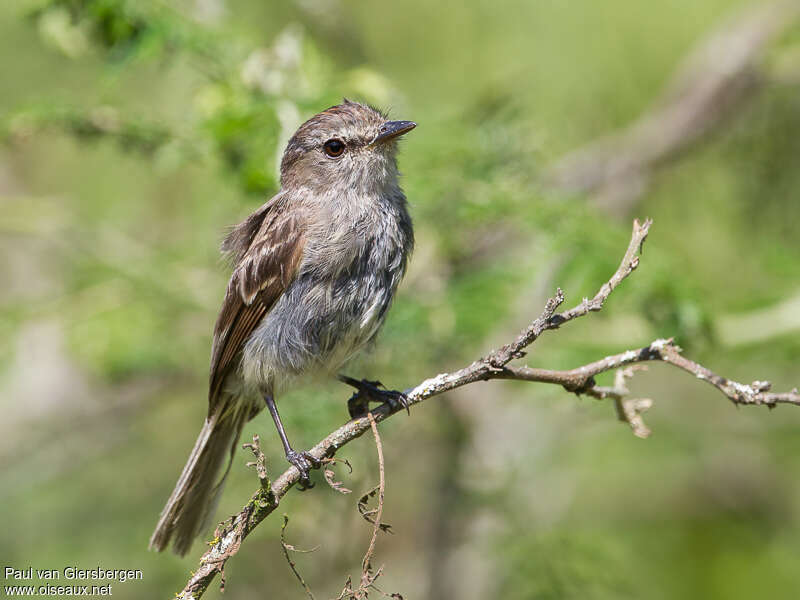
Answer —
353 262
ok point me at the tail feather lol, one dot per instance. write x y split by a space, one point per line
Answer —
193 501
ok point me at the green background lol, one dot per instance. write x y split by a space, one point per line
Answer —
135 132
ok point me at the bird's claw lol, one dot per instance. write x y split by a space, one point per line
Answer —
372 391
303 462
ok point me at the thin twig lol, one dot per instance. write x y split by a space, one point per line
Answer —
260 463
286 548
330 476
365 564
367 577
372 516
581 379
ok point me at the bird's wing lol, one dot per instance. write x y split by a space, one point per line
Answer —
262 274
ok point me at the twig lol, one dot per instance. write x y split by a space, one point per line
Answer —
286 548
581 379
492 366
369 513
330 476
629 410
373 516
367 577
260 463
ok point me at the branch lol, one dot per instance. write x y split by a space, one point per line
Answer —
368 578
286 549
494 366
581 381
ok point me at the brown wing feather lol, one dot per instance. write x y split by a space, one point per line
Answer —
262 274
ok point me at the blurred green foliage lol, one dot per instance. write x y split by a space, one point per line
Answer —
135 131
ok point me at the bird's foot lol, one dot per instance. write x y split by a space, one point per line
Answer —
371 391
304 462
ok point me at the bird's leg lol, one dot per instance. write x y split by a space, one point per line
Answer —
302 460
371 391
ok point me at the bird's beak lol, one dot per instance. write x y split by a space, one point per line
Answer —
393 129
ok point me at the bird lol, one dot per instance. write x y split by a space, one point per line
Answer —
315 270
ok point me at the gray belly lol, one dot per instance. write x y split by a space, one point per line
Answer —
325 316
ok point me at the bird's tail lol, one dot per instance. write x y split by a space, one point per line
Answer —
193 501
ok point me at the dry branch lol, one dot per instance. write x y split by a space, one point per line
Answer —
290 548
494 366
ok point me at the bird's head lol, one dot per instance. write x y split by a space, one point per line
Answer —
349 146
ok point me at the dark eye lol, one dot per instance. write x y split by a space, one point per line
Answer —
334 148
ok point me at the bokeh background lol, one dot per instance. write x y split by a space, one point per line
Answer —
134 132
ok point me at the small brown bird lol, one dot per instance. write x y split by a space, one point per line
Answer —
315 271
